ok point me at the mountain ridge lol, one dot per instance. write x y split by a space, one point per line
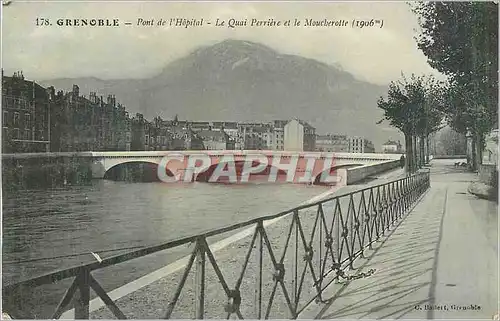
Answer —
246 81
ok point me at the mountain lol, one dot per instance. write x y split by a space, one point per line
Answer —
246 81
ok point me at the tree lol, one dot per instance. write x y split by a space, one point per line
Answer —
414 106
401 110
430 114
460 39
451 142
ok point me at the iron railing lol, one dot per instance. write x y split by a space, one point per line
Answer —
321 241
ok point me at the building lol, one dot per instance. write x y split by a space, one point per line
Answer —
197 126
25 115
332 143
299 136
88 124
231 129
139 127
360 145
278 142
37 119
214 139
158 136
255 136
392 147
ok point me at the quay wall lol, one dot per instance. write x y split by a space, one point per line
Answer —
357 174
44 172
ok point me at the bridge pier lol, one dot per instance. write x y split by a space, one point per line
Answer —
98 169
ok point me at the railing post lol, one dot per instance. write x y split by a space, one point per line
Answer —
258 276
200 280
296 258
82 310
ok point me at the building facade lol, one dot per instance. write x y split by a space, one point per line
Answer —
214 139
392 147
332 143
360 145
88 124
25 115
37 119
299 136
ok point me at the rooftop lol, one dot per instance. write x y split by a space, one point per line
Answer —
211 134
391 142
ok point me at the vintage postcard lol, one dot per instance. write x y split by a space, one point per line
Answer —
249 159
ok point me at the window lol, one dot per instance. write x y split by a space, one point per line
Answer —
16 119
27 119
15 133
27 135
5 119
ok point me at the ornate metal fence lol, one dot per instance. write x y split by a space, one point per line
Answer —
320 241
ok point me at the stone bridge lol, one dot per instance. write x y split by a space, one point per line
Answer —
180 164
356 166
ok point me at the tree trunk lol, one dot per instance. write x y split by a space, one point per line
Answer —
409 156
422 151
473 152
427 145
479 150
414 154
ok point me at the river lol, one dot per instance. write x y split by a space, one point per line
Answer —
47 230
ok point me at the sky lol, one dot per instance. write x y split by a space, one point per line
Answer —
377 55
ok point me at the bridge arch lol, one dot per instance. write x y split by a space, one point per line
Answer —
145 170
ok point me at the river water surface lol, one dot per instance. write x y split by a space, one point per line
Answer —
48 230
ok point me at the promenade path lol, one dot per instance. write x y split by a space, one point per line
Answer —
440 262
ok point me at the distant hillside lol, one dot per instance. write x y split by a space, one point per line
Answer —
241 80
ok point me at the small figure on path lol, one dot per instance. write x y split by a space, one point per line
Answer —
402 161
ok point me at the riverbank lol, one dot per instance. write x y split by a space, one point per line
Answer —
44 173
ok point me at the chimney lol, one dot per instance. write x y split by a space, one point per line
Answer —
51 92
